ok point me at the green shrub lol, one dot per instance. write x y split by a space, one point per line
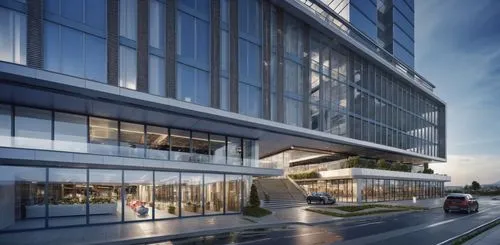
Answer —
171 209
254 197
305 175
255 211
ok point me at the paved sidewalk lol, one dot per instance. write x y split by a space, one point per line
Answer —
138 232
423 203
489 237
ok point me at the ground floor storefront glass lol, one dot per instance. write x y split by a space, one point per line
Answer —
40 197
374 190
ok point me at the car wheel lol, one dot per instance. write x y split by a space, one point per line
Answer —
446 211
308 201
323 202
477 208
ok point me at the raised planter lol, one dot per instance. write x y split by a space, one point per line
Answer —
38 211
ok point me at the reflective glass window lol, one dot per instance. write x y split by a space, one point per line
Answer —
180 140
70 132
218 149
131 139
191 190
157 142
156 75
29 136
360 21
214 193
200 147
5 123
22 190
166 195
250 153
128 19
128 68
156 24
67 196
103 136
234 151
138 195
193 85
105 196
233 193
13 28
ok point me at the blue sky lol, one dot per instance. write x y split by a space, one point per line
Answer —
457 47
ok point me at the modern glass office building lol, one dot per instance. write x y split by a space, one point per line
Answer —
124 110
390 23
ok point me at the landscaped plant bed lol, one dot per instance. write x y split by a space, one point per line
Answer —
356 208
352 214
256 211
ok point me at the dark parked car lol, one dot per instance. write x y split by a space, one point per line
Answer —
460 202
320 197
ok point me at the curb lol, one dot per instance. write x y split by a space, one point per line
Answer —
473 231
162 238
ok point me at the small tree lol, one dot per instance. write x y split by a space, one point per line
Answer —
382 164
428 171
466 188
254 197
353 162
475 185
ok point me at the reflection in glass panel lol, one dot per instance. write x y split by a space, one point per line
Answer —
67 196
200 147
29 136
191 194
157 142
105 202
180 145
103 136
138 195
218 149
70 132
233 193
214 193
13 29
128 68
131 139
22 197
166 195
5 124
250 153
234 151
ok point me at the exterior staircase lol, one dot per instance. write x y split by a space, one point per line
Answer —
282 193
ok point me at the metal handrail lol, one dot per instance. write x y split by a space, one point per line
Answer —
325 13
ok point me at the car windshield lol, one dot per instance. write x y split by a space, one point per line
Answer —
455 198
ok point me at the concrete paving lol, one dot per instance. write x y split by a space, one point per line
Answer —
489 237
152 231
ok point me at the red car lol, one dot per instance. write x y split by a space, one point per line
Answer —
460 202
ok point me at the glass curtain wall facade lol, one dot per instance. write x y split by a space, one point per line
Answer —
68 132
380 190
338 93
37 197
374 190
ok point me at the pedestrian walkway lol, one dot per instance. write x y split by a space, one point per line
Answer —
489 237
142 232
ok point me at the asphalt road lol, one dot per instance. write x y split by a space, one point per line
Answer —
419 228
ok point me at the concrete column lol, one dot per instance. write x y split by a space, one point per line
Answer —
280 83
34 56
233 53
266 68
215 54
113 41
143 45
171 52
357 186
442 131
